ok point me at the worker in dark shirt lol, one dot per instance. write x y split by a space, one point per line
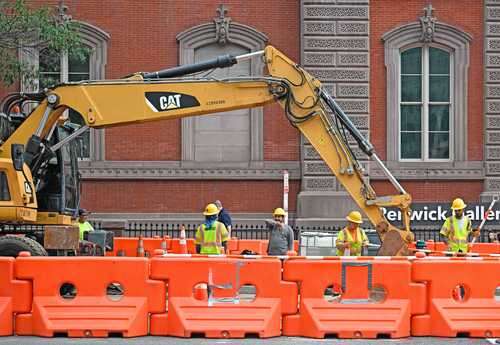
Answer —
281 235
224 216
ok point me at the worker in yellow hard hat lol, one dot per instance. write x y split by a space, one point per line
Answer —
457 228
280 234
212 235
351 240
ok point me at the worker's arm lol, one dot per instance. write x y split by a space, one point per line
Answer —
340 241
445 230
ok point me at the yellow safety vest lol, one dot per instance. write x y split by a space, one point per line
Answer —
457 236
84 227
211 239
355 244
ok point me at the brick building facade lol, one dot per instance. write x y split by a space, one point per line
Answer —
365 53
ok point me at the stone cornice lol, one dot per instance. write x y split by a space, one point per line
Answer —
471 170
173 170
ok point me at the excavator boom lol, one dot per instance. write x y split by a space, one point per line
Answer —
162 95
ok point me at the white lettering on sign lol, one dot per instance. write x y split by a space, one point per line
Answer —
170 102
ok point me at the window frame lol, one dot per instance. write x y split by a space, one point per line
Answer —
455 40
425 103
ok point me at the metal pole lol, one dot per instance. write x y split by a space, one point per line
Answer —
285 194
248 56
387 173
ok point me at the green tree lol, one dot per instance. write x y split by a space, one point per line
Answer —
24 29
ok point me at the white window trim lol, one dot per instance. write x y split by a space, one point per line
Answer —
453 39
425 103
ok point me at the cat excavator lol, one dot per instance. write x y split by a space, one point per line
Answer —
39 181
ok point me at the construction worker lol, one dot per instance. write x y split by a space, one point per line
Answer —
281 234
351 240
83 224
212 235
457 228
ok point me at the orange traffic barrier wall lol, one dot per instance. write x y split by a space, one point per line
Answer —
72 296
461 297
237 246
479 248
129 246
222 314
357 309
15 296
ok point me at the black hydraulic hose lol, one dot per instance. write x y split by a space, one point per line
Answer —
364 144
219 62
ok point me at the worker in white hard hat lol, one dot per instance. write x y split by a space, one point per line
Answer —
281 234
212 235
352 239
456 229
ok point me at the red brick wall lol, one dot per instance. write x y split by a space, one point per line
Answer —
434 191
185 196
467 15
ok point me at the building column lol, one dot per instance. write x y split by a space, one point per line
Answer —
492 99
335 49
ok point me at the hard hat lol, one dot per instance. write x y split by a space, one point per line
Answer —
279 212
458 204
355 217
210 210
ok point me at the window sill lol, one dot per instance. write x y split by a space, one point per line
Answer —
465 170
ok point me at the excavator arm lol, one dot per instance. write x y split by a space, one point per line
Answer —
162 95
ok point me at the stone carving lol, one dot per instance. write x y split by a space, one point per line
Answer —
428 24
493 91
493 106
337 43
222 25
493 168
493 13
310 153
317 168
493 44
493 185
62 15
493 122
493 152
348 59
352 28
351 106
320 184
319 28
339 74
493 60
312 59
352 90
493 137
493 75
493 29
336 12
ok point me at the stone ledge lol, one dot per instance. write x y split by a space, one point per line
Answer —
122 170
471 170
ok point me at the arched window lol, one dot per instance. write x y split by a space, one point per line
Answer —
56 67
426 94
234 138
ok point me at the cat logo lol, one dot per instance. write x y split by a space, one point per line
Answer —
170 102
167 101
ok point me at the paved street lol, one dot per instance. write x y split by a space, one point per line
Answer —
272 341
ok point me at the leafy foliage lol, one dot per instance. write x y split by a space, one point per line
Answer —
25 30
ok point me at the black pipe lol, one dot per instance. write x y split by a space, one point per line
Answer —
219 62
364 144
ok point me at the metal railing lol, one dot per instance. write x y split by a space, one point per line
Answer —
260 232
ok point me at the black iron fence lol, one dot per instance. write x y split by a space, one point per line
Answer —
261 232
